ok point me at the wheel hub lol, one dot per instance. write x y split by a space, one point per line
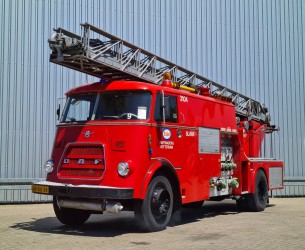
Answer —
160 201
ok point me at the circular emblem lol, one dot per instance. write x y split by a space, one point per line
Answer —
166 134
87 134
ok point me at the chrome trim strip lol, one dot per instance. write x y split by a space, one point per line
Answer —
264 160
58 184
130 124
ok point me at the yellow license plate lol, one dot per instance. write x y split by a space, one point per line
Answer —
40 189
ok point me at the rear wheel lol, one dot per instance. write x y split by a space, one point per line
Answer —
69 216
257 202
154 212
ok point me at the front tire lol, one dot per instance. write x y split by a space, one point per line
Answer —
154 212
69 216
257 202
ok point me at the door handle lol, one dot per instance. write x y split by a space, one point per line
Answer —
179 133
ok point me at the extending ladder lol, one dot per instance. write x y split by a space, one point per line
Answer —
111 58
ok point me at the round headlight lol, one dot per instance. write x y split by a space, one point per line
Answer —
49 166
123 168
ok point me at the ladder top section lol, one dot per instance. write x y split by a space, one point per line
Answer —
106 56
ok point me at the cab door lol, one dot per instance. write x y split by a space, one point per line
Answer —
168 131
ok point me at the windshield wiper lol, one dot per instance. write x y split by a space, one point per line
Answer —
72 119
111 117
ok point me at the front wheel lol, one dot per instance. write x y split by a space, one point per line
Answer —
69 216
258 201
154 212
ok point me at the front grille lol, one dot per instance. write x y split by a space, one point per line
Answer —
82 161
94 150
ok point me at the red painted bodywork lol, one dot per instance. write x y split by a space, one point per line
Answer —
128 140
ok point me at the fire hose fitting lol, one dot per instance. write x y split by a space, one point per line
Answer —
234 183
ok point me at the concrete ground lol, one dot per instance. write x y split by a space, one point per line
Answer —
214 226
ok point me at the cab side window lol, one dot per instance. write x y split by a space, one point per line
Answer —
170 109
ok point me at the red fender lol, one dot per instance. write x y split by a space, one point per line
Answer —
256 167
157 164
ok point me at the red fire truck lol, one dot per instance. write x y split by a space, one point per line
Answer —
151 137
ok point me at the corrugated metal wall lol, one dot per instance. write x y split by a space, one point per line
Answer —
256 47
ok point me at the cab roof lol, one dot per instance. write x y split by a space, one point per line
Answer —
134 85
113 85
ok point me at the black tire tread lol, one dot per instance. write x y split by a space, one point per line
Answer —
254 202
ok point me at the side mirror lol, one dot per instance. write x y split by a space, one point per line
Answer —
60 103
58 112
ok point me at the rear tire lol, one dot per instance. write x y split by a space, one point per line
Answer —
69 216
154 212
257 202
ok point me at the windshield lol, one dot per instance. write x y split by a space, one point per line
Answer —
112 105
